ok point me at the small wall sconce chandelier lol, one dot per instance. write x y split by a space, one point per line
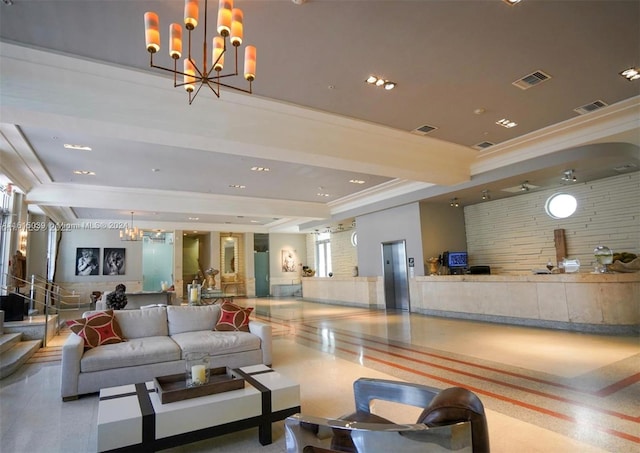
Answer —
486 195
631 74
131 234
230 25
525 186
569 176
454 203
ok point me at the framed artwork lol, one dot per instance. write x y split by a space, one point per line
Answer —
87 261
288 261
114 261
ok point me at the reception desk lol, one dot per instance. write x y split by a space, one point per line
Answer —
600 303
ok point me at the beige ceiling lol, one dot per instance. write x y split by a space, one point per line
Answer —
77 72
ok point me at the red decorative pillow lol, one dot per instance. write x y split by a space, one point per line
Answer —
97 329
233 318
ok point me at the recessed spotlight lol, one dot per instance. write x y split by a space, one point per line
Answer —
84 172
80 147
511 2
194 218
381 82
356 181
631 74
320 194
260 169
237 186
506 123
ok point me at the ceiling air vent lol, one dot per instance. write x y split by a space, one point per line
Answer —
595 105
530 80
424 130
625 167
482 145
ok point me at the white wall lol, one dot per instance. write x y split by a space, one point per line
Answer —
395 224
515 235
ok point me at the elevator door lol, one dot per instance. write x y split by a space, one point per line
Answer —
396 281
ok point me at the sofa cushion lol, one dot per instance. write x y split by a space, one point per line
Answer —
138 351
216 343
190 318
233 317
151 322
100 328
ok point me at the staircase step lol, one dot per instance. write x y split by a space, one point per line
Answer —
14 358
9 340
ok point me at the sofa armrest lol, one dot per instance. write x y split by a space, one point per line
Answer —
264 332
72 352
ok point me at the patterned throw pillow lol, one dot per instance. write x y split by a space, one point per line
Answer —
97 329
233 318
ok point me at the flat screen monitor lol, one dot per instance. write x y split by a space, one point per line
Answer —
458 260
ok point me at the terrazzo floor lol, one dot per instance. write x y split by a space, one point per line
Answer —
544 390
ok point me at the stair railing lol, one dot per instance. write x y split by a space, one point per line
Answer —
51 297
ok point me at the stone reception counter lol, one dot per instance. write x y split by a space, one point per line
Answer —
606 303
601 303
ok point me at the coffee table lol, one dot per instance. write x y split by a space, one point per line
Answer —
132 418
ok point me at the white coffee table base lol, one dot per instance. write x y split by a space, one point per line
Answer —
132 418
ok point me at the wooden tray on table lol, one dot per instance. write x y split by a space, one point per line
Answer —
174 387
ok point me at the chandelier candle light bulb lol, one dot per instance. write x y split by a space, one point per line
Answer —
218 53
224 17
237 28
191 14
175 48
152 32
250 63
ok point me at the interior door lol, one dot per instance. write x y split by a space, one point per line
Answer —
261 270
396 280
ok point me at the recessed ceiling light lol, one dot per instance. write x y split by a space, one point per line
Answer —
80 147
254 221
84 172
320 194
194 218
631 74
260 169
237 186
381 82
506 123
511 2
356 181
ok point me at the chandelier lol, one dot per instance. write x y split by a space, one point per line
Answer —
131 234
229 25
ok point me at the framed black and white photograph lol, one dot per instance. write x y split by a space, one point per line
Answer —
288 261
87 261
114 261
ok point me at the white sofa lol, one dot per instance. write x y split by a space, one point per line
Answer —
157 340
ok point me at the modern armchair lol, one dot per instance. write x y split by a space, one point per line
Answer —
453 420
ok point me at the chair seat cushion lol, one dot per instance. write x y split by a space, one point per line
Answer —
135 352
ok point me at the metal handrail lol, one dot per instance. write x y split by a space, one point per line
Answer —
52 294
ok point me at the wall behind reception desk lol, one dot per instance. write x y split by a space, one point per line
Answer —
515 235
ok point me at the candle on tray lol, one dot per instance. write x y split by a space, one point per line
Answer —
198 374
194 295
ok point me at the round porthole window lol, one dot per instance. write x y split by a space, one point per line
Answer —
561 205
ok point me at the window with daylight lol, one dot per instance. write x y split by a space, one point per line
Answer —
323 255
